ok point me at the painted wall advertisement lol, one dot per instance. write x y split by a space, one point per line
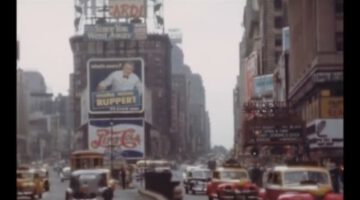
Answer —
326 133
332 107
108 32
263 85
116 86
127 8
250 72
128 137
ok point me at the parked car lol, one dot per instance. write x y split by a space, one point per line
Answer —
90 184
300 181
197 180
231 182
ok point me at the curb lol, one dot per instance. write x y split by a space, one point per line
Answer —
151 194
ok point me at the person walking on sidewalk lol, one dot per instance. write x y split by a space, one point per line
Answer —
123 177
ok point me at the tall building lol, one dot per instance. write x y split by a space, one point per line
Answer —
22 121
316 72
156 52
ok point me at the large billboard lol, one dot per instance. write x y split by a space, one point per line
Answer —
116 85
250 72
128 137
127 8
325 133
263 85
122 31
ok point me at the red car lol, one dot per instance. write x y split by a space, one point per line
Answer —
231 183
298 182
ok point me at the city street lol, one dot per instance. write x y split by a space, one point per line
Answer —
195 197
57 191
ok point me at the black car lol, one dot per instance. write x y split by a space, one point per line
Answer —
196 181
90 184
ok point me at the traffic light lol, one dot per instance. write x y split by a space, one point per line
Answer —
254 151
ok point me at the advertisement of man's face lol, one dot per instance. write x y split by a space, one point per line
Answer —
116 85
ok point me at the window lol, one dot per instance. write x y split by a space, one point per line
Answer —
91 47
277 4
278 22
339 7
278 40
339 41
277 178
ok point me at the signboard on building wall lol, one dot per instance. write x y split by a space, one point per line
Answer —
128 137
325 133
122 31
84 118
250 71
263 85
116 86
332 107
175 35
127 8
285 39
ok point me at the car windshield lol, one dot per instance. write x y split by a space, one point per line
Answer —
233 175
201 174
305 177
24 175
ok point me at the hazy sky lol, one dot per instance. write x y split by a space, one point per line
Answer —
211 35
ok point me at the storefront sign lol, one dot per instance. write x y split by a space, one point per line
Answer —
321 77
278 134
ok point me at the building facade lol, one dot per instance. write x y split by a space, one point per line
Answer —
156 52
316 71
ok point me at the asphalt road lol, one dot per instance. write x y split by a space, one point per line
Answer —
57 191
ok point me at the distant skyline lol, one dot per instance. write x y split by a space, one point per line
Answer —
211 34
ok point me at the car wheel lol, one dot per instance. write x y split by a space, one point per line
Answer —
210 198
40 195
32 197
193 192
186 191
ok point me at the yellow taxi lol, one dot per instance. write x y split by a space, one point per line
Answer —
28 184
231 182
299 181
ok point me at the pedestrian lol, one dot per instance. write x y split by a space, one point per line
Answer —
123 177
335 175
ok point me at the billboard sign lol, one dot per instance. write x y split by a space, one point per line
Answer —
332 107
125 136
250 72
278 134
263 85
127 8
325 133
116 86
175 35
285 39
122 31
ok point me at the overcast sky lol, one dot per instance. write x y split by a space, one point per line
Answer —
211 35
